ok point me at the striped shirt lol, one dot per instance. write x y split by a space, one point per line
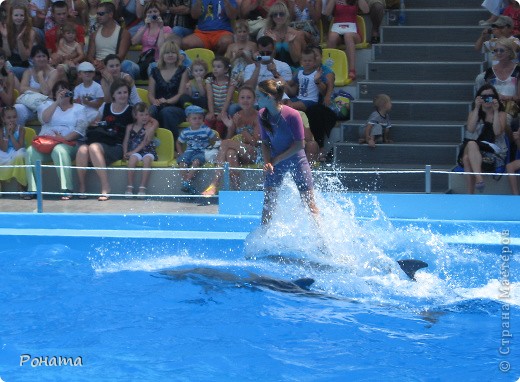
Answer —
219 94
197 139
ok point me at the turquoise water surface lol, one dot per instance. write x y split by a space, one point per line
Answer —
100 296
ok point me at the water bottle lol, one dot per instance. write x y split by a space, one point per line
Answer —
402 13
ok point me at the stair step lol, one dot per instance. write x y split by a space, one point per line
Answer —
406 132
419 155
436 16
434 71
427 34
418 91
426 52
410 4
415 111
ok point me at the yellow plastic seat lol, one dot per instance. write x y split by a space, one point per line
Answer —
362 28
337 60
143 94
136 48
202 54
30 133
165 150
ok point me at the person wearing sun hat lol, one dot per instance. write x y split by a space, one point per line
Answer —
501 27
196 138
88 93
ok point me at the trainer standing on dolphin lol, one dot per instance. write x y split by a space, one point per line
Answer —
282 147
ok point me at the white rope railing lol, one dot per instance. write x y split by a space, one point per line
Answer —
427 171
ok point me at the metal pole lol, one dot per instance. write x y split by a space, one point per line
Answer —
428 179
226 177
38 176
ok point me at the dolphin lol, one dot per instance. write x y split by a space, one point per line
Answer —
298 286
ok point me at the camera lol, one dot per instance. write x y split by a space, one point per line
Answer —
69 94
101 123
154 17
488 98
258 58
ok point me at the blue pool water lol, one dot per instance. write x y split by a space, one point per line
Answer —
91 286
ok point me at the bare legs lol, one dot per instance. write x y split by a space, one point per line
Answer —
512 168
472 160
351 39
270 196
95 154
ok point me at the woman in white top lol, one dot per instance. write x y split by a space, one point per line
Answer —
63 119
40 78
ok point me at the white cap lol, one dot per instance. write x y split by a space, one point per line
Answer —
86 67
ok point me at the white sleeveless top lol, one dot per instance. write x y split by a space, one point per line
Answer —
106 45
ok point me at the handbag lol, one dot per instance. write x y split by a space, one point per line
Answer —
32 100
145 59
46 143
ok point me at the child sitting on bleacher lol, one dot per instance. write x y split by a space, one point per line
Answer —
88 93
12 148
197 138
139 145
377 128
195 92
307 83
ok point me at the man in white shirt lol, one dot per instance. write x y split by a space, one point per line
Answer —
267 68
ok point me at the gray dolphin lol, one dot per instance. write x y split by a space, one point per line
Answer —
298 286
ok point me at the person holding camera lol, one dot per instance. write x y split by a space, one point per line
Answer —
265 66
151 35
484 148
105 139
67 121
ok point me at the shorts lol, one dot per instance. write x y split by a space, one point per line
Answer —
343 28
307 102
210 39
189 156
300 172
141 157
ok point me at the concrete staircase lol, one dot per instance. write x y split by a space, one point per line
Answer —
428 67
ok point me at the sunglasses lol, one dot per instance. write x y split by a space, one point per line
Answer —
497 27
278 14
499 50
265 52
102 13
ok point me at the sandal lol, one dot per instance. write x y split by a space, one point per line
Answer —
352 74
129 191
142 191
28 196
103 198
479 186
67 195
210 191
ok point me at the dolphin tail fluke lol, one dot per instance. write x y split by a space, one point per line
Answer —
411 266
304 283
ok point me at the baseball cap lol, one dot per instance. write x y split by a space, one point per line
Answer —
193 109
86 67
503 21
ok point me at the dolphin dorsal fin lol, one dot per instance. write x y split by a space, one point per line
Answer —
411 266
304 283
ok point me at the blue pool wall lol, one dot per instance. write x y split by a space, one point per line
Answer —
399 206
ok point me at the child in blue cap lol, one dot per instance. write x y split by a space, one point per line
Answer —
196 138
